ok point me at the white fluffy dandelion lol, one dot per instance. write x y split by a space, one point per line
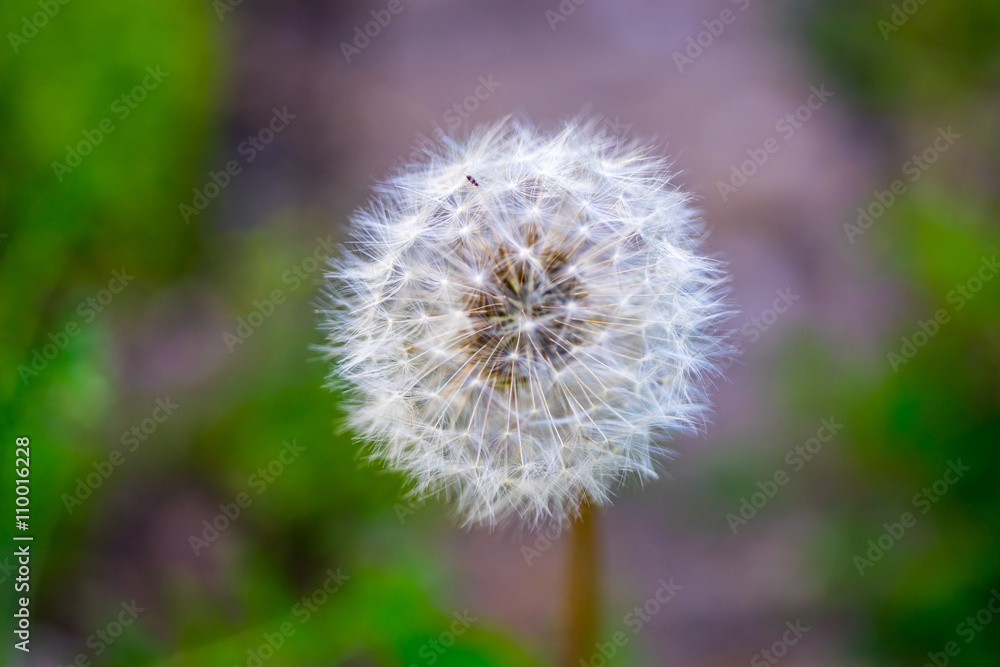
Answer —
523 319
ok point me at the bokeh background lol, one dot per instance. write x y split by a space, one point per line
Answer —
114 297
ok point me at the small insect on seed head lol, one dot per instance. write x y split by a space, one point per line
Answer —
534 347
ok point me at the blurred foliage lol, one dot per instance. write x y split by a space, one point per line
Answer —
899 54
935 64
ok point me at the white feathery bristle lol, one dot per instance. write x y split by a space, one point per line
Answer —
522 317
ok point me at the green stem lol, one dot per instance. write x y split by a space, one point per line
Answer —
582 593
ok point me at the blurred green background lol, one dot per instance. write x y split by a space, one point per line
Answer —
113 298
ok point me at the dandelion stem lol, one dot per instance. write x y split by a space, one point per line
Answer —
582 592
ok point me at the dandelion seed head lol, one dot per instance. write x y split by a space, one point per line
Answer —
524 319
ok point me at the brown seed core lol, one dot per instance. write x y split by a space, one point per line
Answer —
523 316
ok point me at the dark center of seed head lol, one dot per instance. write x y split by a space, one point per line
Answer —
526 317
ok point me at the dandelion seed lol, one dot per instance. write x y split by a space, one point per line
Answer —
568 321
